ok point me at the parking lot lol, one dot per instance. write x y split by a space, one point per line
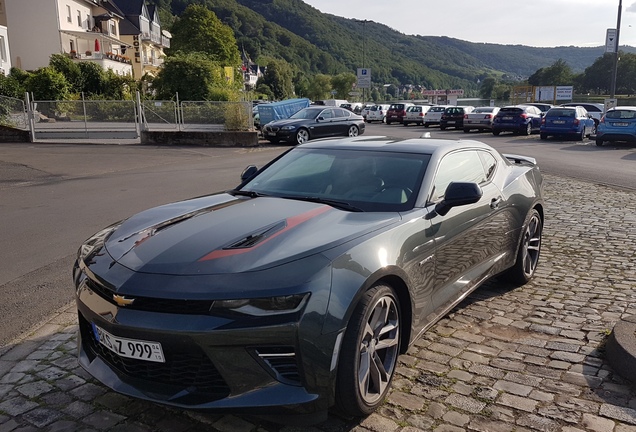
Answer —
506 359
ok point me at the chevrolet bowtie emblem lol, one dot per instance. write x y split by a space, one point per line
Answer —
122 301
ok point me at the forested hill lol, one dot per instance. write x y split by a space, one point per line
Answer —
315 42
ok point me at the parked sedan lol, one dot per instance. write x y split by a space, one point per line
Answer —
314 122
415 114
377 113
519 119
618 124
481 118
567 121
297 290
453 117
593 108
434 115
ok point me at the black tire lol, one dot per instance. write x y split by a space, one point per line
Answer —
528 130
581 136
466 130
599 142
353 131
496 132
371 342
405 123
387 122
543 136
426 125
442 127
273 140
302 136
528 252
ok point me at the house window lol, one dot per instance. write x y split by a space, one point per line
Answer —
79 18
113 29
3 52
88 21
68 14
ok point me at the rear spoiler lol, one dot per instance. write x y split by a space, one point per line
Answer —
516 159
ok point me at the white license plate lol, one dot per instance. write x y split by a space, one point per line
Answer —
559 122
130 348
451 122
620 124
271 133
507 118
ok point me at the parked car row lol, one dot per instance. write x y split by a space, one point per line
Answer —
567 120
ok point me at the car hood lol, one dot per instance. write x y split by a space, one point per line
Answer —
221 233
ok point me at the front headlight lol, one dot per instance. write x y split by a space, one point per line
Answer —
262 306
95 242
288 128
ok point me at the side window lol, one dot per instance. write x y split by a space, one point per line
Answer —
327 114
490 164
464 166
341 113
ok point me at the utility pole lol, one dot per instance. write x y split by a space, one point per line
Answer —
615 68
364 50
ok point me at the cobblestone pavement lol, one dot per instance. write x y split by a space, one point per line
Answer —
506 359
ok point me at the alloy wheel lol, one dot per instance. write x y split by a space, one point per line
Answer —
378 350
531 245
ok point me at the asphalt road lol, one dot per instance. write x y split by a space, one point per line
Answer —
53 196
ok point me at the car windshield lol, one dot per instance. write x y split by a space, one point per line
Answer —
307 113
509 111
366 180
484 110
437 109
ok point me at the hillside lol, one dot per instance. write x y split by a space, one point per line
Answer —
315 42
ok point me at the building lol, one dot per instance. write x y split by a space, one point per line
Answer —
142 31
85 30
5 56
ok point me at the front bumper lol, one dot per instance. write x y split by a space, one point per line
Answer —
613 136
255 366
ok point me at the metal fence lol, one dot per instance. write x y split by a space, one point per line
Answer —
122 119
13 113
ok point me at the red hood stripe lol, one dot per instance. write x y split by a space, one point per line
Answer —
289 224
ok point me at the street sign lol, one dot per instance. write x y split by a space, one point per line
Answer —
364 78
333 92
564 92
610 41
354 93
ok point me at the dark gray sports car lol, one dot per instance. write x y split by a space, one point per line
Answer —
297 291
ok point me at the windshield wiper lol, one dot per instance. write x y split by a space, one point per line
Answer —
251 194
342 205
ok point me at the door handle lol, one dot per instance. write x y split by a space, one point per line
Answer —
494 203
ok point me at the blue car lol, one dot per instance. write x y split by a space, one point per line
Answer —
519 119
618 124
567 121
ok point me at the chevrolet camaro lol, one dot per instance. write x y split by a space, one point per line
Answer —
295 292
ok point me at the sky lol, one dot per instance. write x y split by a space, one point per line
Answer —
539 23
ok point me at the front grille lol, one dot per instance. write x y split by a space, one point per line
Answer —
271 128
190 369
282 362
151 304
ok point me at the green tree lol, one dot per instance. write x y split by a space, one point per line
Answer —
319 87
278 77
487 86
47 84
199 30
342 84
559 73
69 69
193 76
93 79
11 87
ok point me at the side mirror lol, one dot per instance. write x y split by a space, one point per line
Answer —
321 118
248 172
459 194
